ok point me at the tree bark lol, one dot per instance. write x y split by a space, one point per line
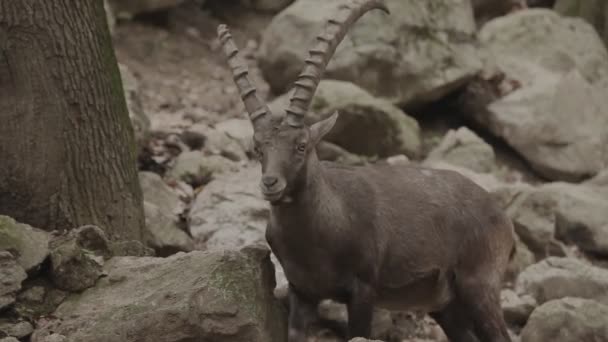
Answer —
67 150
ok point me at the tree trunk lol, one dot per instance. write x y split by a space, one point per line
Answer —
67 151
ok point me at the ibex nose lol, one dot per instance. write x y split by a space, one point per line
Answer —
269 181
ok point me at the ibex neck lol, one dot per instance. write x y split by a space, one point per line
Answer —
314 183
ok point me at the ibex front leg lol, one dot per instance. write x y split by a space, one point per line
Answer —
302 313
360 310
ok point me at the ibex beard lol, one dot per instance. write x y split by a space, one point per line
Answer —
399 237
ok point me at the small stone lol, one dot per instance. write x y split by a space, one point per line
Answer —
39 298
239 129
49 338
196 169
218 142
33 294
9 339
516 309
18 329
399 159
93 239
73 267
11 275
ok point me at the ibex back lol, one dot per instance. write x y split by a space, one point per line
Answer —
399 237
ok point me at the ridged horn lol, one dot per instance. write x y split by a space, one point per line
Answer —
326 43
257 109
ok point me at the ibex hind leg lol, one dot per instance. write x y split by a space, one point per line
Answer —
455 322
481 300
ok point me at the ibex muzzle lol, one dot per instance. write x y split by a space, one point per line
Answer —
400 237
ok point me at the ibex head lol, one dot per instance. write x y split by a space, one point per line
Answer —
282 142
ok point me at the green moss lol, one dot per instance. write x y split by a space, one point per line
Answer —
233 281
10 239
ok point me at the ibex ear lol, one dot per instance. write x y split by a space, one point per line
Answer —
319 129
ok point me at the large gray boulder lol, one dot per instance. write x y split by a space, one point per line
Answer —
420 52
29 245
581 218
163 233
198 296
572 213
230 212
162 207
158 192
533 215
567 320
555 278
556 119
366 125
462 147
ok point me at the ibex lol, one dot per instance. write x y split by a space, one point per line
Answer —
399 237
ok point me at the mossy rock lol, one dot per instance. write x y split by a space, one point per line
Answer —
197 296
30 245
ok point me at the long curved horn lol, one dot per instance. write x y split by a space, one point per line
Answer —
257 109
327 42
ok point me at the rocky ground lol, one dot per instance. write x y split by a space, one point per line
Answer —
516 103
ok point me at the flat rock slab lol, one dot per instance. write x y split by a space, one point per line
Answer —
197 296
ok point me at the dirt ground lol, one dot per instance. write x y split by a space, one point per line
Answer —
183 74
